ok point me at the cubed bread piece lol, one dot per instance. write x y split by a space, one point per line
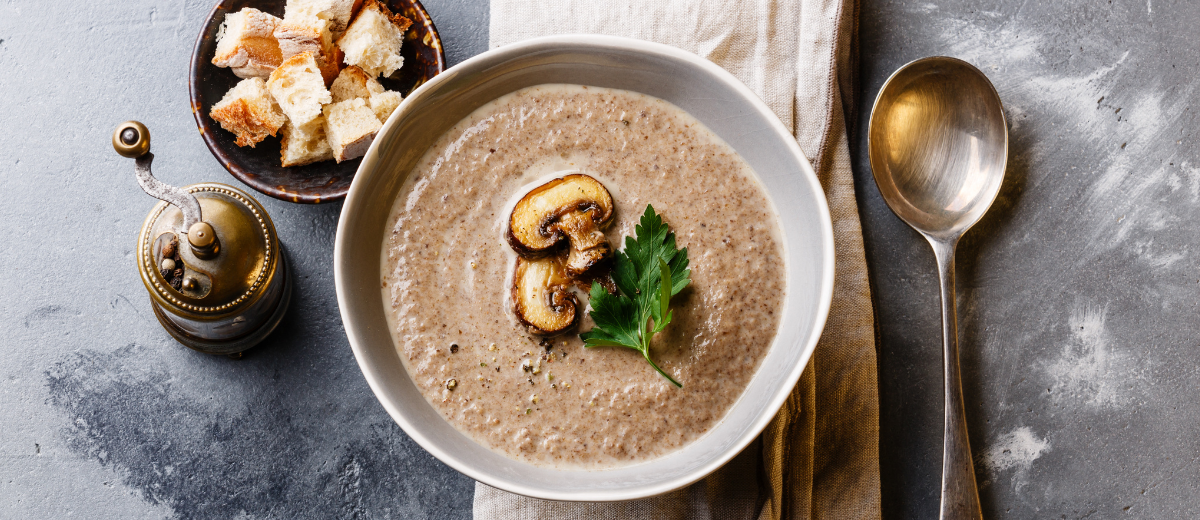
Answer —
302 33
248 111
306 144
298 88
373 39
246 44
338 12
350 126
384 103
352 83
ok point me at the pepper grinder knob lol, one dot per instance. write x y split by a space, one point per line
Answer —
203 240
132 139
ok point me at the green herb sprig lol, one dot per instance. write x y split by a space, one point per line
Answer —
648 273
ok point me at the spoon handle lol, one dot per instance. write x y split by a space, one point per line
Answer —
960 498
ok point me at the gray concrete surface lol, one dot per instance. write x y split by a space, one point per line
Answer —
1078 292
102 415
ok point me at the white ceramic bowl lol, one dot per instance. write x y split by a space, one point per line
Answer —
696 85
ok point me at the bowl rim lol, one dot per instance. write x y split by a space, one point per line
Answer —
226 158
515 50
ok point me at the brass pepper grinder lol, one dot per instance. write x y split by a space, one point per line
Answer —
209 257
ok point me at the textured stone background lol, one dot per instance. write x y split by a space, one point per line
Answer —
1077 292
102 415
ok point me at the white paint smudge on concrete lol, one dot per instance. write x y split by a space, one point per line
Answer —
1144 249
1133 194
989 49
1174 181
1192 175
1076 97
1089 372
1016 449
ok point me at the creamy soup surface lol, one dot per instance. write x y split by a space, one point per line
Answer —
447 272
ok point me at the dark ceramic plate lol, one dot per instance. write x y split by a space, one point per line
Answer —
259 167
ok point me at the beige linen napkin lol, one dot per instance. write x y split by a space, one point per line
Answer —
819 458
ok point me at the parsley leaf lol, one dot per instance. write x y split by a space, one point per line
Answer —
647 273
616 320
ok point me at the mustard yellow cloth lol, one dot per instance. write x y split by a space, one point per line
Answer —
819 458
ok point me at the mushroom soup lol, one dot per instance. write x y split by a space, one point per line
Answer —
449 270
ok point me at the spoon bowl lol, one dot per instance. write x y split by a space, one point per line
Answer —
938 143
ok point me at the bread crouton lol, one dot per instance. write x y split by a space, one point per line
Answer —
299 89
337 12
372 41
248 111
384 103
309 34
246 44
301 145
350 126
352 83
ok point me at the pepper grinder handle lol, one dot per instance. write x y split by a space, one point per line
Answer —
132 139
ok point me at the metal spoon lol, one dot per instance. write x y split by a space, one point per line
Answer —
939 142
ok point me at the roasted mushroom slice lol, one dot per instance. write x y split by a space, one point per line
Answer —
574 207
541 297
